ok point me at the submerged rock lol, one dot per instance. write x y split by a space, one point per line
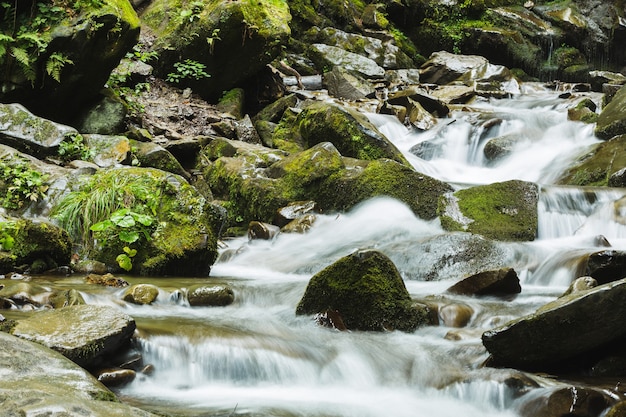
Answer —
366 290
83 333
559 332
565 401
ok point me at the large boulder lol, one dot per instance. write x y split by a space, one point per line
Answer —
367 292
561 331
66 55
350 131
82 333
36 380
502 211
604 266
444 67
153 222
239 36
612 119
596 166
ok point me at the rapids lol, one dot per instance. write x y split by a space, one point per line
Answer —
256 358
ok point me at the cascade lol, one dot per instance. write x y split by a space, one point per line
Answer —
256 357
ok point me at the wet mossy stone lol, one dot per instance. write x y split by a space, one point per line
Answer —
597 165
367 291
210 295
82 333
362 180
36 379
152 155
504 211
612 119
40 240
240 36
141 294
350 131
561 331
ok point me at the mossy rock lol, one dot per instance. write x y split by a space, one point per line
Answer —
179 239
151 155
501 211
82 333
141 294
95 37
595 167
362 180
350 131
367 291
612 119
243 36
39 240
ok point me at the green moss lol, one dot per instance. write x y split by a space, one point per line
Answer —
367 291
501 211
596 166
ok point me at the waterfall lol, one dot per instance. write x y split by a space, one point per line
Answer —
256 357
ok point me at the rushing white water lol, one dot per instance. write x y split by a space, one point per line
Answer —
256 357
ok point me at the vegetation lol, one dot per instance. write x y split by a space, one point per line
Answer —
73 147
20 184
187 70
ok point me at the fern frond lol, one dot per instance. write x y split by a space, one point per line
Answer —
34 39
55 64
22 57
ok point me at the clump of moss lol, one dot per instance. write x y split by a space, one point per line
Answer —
367 291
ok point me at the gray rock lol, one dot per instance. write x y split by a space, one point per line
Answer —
343 84
210 295
109 151
83 333
612 119
331 56
36 380
560 331
444 67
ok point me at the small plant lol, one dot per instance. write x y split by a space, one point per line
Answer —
127 226
193 13
20 184
6 237
73 147
188 69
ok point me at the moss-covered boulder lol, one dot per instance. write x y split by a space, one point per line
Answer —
501 211
29 241
367 291
612 119
559 332
214 45
67 54
36 379
148 222
596 166
350 131
152 155
82 333
362 180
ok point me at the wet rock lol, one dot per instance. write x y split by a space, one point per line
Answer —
502 211
106 117
40 240
116 377
599 78
24 293
429 102
599 163
331 319
300 225
612 119
567 401
581 284
366 289
141 294
36 380
326 56
262 231
454 94
418 117
308 166
348 130
362 180
443 67
605 266
617 410
618 179
455 315
64 298
501 146
149 154
343 84
232 103
89 266
108 280
568 327
285 215
210 295
584 111
109 151
83 333
497 282
274 111
245 131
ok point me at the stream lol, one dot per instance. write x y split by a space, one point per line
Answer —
255 357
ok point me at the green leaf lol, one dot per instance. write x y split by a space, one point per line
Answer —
129 236
119 215
124 262
143 219
100 226
7 242
130 252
